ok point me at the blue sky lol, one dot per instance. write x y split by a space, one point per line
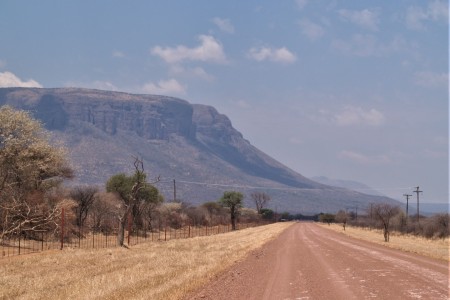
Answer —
346 89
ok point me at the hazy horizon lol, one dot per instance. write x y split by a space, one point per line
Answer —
354 90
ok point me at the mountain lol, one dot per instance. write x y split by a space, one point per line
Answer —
347 184
192 144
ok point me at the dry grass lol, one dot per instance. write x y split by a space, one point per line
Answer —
158 270
436 248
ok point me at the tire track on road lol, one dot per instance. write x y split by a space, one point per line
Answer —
310 262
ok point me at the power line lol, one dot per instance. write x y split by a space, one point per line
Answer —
417 192
407 198
270 188
174 191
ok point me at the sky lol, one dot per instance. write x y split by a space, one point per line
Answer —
354 90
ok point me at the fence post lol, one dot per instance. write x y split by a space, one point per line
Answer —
129 228
62 228
189 235
20 233
42 242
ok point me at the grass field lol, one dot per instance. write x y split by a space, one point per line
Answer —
158 270
436 248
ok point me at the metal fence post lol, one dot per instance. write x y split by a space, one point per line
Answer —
62 228
20 233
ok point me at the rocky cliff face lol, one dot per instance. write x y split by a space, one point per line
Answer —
150 117
193 144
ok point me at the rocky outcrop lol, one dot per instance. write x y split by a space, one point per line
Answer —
194 144
150 117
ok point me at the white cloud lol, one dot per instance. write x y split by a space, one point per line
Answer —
209 50
243 104
281 55
8 79
358 116
365 18
189 72
431 79
366 45
104 85
201 73
301 3
97 84
417 16
362 158
295 141
224 25
311 30
118 54
165 87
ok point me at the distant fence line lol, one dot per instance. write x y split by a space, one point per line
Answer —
43 241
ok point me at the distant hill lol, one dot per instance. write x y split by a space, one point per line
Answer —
192 144
348 184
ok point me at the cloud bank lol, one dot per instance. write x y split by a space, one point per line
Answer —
358 116
209 50
8 79
165 87
280 55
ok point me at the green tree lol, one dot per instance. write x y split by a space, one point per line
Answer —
131 190
233 200
326 218
267 214
30 166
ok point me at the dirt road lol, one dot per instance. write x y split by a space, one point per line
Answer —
310 262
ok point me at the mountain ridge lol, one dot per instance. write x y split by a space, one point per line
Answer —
191 143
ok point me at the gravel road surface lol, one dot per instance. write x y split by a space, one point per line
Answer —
310 262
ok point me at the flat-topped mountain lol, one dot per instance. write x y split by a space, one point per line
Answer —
192 144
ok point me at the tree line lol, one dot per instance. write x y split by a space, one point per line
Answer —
388 218
32 196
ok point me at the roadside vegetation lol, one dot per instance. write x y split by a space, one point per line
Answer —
390 218
389 225
435 248
166 270
34 201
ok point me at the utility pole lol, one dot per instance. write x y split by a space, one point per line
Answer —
174 191
407 198
417 192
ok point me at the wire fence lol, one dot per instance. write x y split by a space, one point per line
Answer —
44 241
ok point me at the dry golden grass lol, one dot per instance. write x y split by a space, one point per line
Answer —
436 248
158 270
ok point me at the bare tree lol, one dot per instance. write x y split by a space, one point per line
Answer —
84 196
261 199
104 211
131 190
384 212
342 217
